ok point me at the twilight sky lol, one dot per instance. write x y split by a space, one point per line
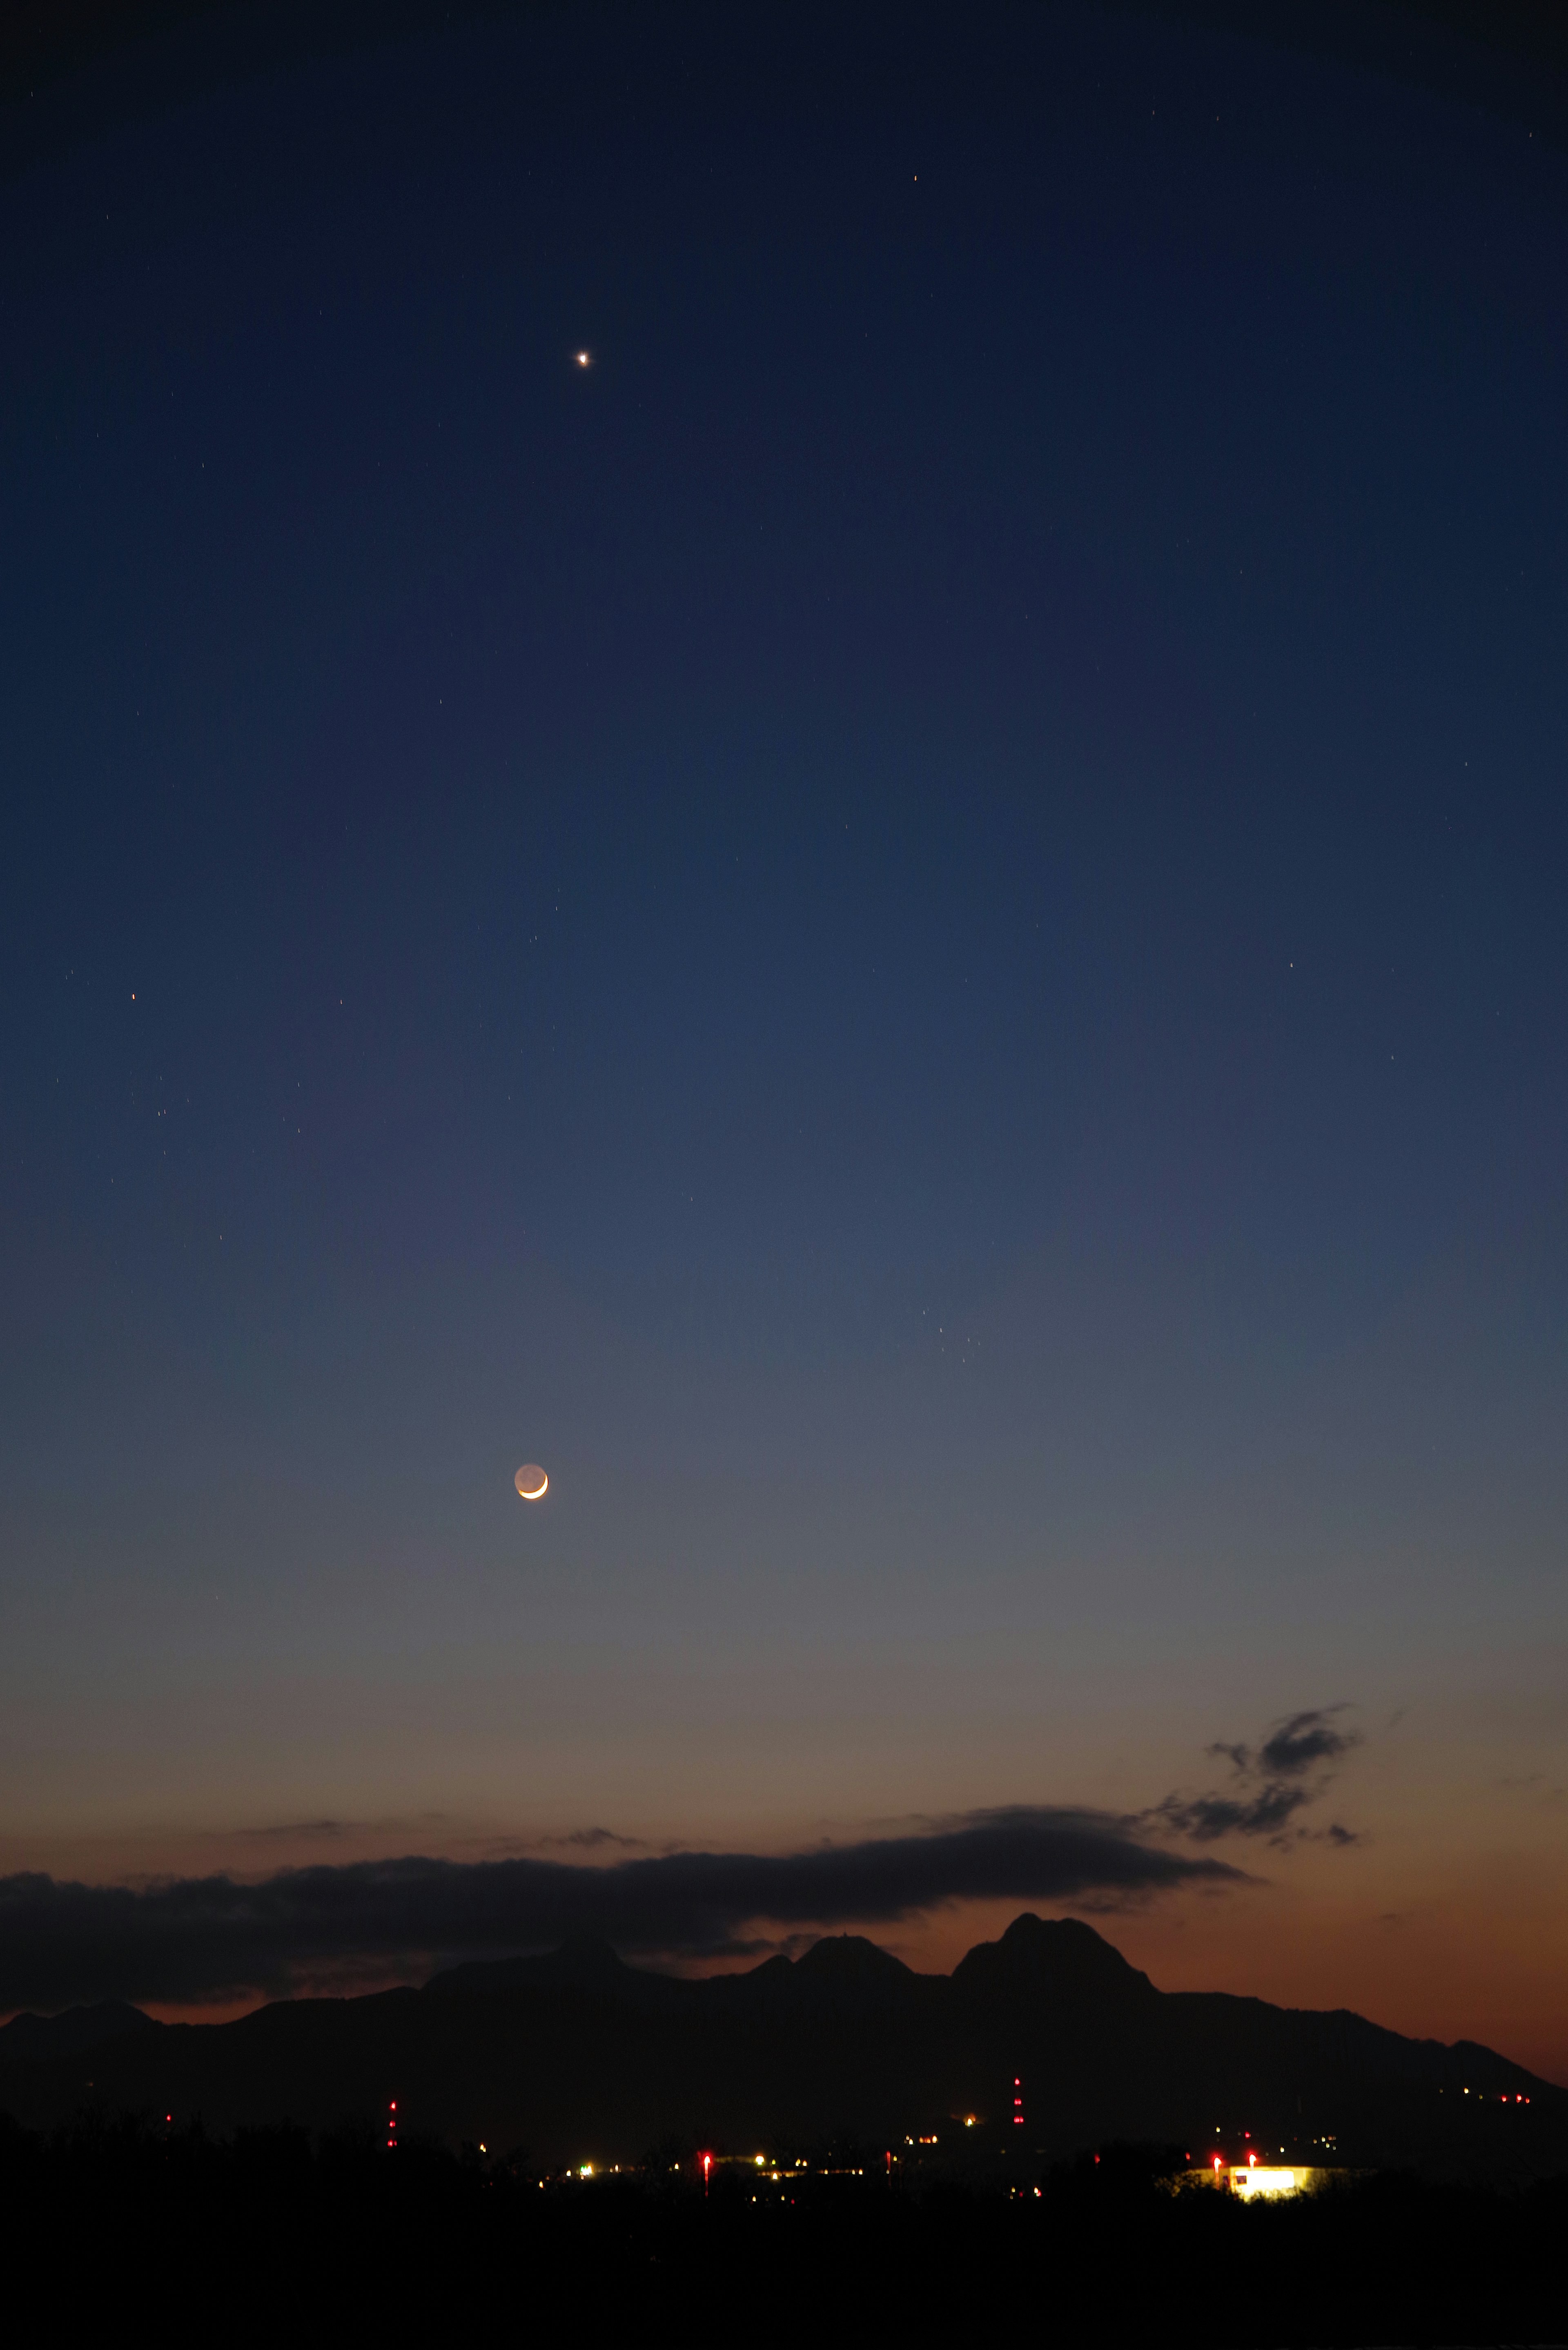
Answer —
913 928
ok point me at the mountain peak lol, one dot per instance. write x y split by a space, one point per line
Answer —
850 1958
582 1961
28 2038
845 1971
588 1954
1052 1958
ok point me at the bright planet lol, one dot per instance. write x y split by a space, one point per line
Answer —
531 1482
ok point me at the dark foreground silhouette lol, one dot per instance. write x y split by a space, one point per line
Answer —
583 2058
276 2233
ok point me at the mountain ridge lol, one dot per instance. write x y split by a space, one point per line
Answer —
30 2039
577 2055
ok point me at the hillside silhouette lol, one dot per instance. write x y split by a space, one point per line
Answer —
577 2056
283 2234
28 2038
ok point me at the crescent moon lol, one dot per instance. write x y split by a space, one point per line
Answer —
531 1482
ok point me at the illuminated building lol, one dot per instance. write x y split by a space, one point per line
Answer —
1250 2178
1256 2181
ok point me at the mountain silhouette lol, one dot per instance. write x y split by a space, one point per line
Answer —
577 2056
28 2038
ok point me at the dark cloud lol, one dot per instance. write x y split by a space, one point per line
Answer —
1276 1779
198 1938
1266 1814
1294 1746
1304 1742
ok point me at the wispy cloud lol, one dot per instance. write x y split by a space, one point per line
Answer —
294 1831
1270 1784
590 1840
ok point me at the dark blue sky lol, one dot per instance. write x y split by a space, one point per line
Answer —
912 929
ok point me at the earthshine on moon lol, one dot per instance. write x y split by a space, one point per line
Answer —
531 1482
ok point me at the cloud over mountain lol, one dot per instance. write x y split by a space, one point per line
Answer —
197 1938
